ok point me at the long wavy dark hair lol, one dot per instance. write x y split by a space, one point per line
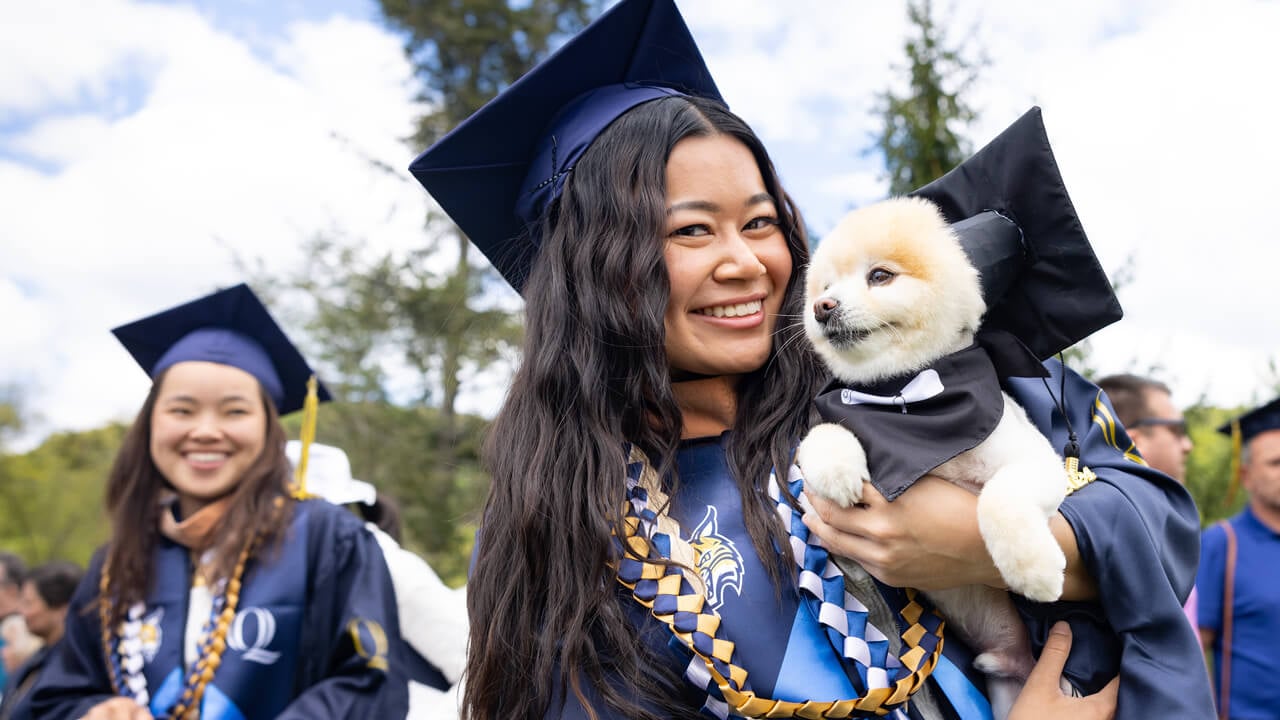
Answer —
133 499
544 603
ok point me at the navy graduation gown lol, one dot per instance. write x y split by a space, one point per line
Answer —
1138 535
1137 532
316 632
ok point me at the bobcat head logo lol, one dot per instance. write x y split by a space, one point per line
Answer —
719 562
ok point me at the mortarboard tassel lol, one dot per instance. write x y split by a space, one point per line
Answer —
307 435
1237 446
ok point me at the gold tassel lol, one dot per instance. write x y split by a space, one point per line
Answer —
1237 447
307 435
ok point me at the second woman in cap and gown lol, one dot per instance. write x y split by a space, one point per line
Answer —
221 595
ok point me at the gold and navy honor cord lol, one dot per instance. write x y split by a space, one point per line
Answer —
673 600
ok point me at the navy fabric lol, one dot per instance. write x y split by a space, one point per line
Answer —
229 327
327 577
1138 536
1255 653
515 151
16 704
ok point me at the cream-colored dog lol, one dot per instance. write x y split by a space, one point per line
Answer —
889 292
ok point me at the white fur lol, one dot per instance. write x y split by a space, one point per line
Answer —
930 308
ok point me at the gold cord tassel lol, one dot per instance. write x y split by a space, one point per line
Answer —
307 435
1237 446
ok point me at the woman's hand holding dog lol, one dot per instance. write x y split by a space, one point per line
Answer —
927 538
1041 698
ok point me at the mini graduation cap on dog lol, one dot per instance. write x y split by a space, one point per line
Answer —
1044 291
1243 429
500 169
1040 278
230 327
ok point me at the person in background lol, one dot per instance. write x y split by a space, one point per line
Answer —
12 572
433 617
1239 613
223 593
45 595
1159 433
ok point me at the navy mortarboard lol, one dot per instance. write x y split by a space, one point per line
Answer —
498 172
1040 278
230 327
1255 422
1243 429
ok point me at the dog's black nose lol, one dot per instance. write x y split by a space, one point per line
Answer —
824 307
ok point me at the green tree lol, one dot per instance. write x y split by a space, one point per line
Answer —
1209 464
437 319
923 133
52 495
464 52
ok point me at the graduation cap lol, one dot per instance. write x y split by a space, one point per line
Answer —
230 327
1243 429
1040 278
329 475
496 173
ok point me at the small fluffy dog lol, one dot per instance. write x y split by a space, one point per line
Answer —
890 292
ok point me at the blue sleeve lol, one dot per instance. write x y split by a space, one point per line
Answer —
1210 578
352 662
75 676
1138 535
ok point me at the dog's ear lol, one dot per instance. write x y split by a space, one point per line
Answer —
1055 292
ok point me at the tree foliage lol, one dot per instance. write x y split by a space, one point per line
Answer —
52 495
431 318
923 133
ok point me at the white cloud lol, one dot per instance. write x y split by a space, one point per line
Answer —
227 152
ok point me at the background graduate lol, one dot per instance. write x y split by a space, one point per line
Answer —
220 595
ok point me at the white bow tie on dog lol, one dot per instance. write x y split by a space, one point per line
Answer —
922 387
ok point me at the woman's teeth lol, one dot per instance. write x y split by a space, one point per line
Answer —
206 457
747 308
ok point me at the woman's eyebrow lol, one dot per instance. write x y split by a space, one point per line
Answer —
708 206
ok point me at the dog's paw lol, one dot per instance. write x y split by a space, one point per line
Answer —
833 463
1023 549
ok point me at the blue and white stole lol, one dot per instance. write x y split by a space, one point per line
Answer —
255 680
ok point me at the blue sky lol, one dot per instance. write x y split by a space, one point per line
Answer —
143 146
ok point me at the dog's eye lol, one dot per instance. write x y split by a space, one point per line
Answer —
880 276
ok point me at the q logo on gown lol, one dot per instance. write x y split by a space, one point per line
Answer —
264 631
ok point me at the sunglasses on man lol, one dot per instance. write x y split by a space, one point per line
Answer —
1177 427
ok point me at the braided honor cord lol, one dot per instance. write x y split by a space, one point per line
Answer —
672 599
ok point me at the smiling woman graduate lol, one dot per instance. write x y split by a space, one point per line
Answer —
641 554
197 605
